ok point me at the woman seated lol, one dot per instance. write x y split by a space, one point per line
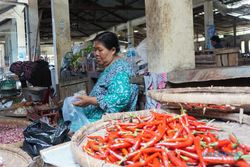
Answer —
113 91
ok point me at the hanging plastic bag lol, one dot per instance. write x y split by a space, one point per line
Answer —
74 114
40 135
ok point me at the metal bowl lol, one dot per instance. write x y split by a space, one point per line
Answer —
8 85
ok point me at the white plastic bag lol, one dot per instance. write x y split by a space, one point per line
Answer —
141 49
74 114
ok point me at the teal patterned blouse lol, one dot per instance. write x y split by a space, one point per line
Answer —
113 91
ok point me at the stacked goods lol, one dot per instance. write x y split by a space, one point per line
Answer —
165 140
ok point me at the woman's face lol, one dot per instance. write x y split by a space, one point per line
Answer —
103 55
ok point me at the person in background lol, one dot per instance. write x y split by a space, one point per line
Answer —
37 73
215 41
113 91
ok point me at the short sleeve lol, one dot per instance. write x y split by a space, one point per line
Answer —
118 94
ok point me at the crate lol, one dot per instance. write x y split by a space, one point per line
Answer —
226 57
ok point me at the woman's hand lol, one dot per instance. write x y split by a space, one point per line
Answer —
84 101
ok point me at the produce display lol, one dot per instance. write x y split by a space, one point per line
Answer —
165 140
10 133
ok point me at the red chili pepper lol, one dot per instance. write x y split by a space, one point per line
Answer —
245 148
119 157
210 160
205 138
120 145
136 145
198 150
212 137
175 160
136 157
156 162
220 143
124 151
188 142
241 163
158 136
233 138
112 158
165 158
190 148
177 134
204 127
148 159
94 145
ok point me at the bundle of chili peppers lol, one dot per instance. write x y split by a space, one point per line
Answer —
165 140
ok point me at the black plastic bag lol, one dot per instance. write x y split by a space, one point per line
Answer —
40 135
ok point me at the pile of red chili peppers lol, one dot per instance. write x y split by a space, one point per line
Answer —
165 140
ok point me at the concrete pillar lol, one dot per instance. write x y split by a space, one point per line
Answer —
235 30
22 54
130 34
34 29
13 41
2 54
61 32
20 24
170 35
208 22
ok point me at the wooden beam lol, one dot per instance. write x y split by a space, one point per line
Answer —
82 19
98 7
132 2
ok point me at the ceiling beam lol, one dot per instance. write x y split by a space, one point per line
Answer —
79 30
82 19
132 2
110 12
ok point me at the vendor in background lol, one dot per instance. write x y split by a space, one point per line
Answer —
113 91
215 41
37 73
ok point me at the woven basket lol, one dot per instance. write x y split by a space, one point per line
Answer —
98 128
14 157
206 95
16 122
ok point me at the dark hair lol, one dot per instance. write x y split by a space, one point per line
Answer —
215 38
109 40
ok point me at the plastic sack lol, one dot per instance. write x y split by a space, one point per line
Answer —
74 114
141 49
40 135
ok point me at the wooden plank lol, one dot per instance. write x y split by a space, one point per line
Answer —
233 59
208 74
224 58
226 50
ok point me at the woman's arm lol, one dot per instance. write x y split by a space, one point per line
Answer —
85 101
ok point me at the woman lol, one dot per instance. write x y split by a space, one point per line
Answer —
112 92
